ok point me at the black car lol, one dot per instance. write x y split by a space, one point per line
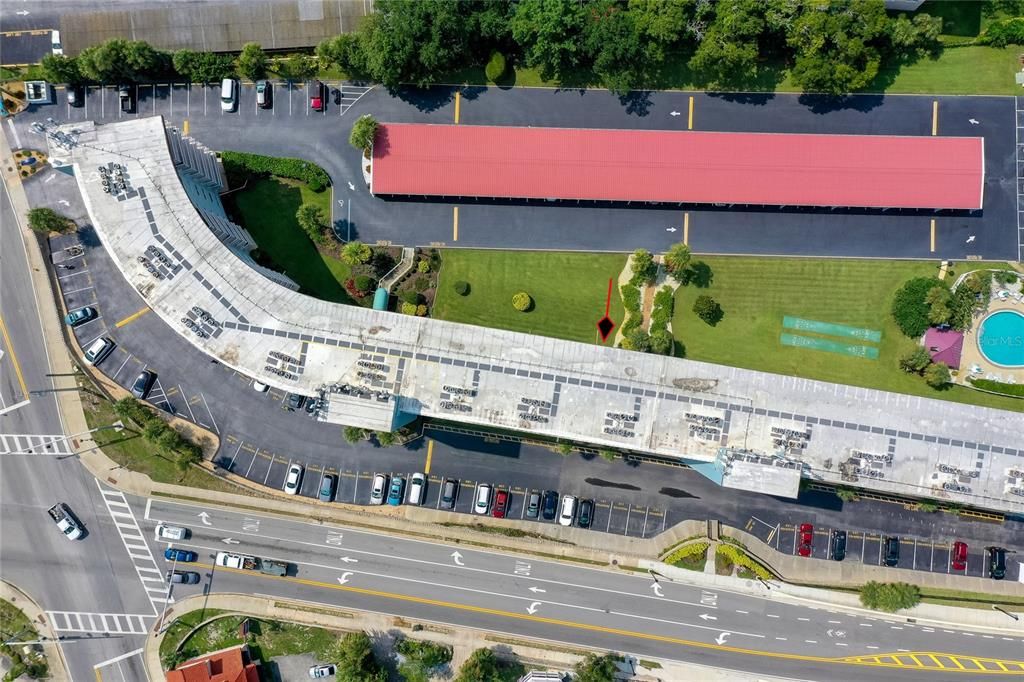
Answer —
294 401
996 563
838 545
586 514
892 550
550 505
143 384
124 93
76 95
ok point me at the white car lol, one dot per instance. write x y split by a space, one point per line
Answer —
294 479
568 510
379 490
417 488
55 44
320 671
165 531
259 386
98 351
483 498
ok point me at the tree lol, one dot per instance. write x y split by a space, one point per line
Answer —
909 309
594 668
889 597
408 308
128 409
707 309
728 54
354 434
662 24
353 654
61 69
915 37
313 222
364 130
644 268
188 456
521 301
461 288
550 33
118 59
345 51
938 300
385 438
496 67
355 252
661 342
47 220
937 375
677 259
203 67
483 666
298 67
610 36
252 62
914 361
638 340
421 659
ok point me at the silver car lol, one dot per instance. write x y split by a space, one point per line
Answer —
379 490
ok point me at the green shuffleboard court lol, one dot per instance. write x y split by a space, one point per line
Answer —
831 329
868 352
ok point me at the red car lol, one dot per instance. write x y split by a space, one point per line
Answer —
316 97
500 504
806 539
958 557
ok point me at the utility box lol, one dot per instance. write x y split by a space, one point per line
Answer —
38 92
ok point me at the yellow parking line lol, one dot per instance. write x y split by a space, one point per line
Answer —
458 101
14 359
99 678
185 128
935 117
455 224
430 453
686 228
689 118
933 236
131 318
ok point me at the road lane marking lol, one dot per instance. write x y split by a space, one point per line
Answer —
131 318
111 661
430 453
14 359
932 242
458 101
935 117
455 224
140 563
689 117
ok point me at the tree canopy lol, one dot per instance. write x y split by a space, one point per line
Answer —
353 654
252 62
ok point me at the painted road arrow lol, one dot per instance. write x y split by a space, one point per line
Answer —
535 590
229 541
721 638
457 558
344 577
705 616
532 608
205 518
674 113
657 589
670 229
349 560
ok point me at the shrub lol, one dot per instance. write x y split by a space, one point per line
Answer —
354 434
461 288
707 309
847 494
638 340
889 597
410 296
408 308
283 167
381 262
365 283
522 301
644 269
927 506
1004 276
421 284
565 449
1003 33
364 130
47 220
312 221
740 558
630 297
910 310
690 550
252 62
423 265
937 375
421 310
677 258
385 438
607 454
496 66
355 252
661 342
915 361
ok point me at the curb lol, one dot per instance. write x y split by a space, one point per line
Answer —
34 612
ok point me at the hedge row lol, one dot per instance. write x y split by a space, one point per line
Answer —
630 298
283 167
999 387
661 314
740 558
685 551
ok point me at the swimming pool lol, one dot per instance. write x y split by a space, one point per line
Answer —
1001 338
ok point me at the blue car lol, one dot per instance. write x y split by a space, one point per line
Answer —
396 490
80 316
183 555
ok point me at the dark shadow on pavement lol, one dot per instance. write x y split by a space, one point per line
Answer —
425 99
827 104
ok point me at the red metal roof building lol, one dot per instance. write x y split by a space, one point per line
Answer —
681 167
227 665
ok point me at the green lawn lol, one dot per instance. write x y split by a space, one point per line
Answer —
755 293
569 291
266 208
967 70
14 624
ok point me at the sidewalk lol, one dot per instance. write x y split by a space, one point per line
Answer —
54 655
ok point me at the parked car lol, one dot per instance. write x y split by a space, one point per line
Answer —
336 94
449 492
294 401
327 488
586 515
483 498
99 350
228 94
838 545
533 506
549 507
378 489
264 94
397 491
80 316
806 547
417 489
892 550
182 577
259 386
293 481
76 95
127 97
55 45
143 384
320 671
500 504
996 563
568 514
958 556
183 555
317 101
168 532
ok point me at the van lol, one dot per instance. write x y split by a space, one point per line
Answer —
449 491
483 499
168 532
99 350
568 510
417 489
55 45
228 94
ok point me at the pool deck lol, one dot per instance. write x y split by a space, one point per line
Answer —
972 354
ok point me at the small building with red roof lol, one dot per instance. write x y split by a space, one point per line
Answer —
944 345
227 665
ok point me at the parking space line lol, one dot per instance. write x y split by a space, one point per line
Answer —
689 117
430 453
455 223
182 392
232 462
122 366
686 228
935 117
932 239
273 458
458 102
207 406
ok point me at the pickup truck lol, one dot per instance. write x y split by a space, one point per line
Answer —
250 563
61 515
